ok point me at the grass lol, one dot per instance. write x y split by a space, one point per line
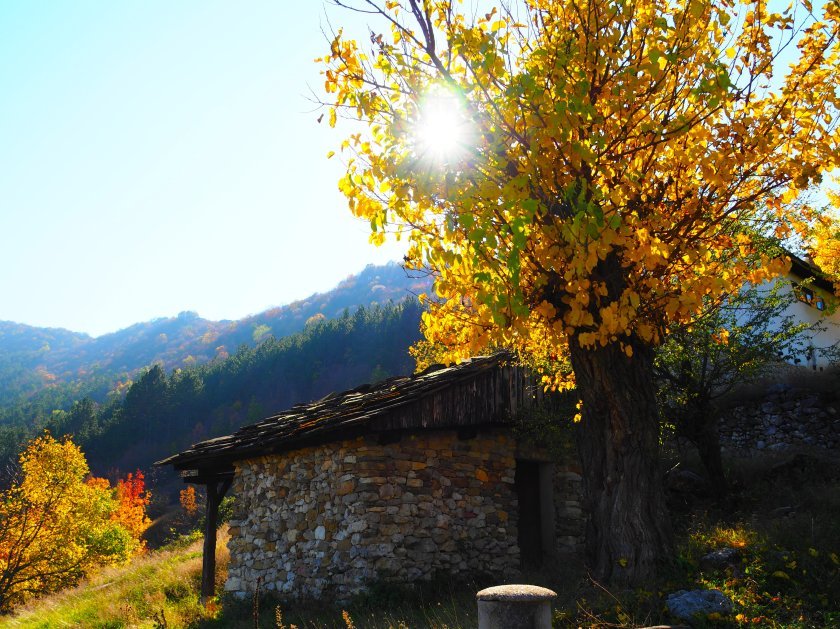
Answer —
786 520
432 605
158 589
783 518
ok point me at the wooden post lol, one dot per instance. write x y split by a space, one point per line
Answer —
215 493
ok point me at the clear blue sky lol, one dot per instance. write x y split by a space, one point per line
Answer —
160 156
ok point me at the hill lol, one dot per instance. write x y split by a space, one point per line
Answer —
147 391
34 359
162 412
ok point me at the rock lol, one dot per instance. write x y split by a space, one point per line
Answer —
783 512
686 481
720 558
346 487
694 604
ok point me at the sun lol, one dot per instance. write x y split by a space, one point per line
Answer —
441 133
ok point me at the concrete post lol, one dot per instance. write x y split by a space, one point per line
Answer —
515 607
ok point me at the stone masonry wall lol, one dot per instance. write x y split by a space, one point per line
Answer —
327 520
569 518
784 419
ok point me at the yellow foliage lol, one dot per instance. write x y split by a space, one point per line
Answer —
624 162
825 248
55 525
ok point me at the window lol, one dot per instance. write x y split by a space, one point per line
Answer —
807 296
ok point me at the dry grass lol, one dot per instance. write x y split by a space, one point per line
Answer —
158 589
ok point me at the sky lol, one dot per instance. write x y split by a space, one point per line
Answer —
160 156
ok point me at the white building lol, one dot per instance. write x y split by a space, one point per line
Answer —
814 295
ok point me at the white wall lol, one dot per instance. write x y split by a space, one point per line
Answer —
827 336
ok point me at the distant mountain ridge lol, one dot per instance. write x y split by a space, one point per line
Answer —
33 359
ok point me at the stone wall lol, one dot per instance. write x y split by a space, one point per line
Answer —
569 518
784 419
327 520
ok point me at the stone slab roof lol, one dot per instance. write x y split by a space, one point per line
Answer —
481 391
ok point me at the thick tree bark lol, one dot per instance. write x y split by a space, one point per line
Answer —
629 532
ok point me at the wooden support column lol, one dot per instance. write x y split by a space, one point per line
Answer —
216 490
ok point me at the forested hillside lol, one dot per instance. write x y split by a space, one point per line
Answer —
35 359
44 371
164 411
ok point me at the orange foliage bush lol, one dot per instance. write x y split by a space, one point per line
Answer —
133 500
188 501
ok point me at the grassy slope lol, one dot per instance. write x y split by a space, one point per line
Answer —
161 584
785 520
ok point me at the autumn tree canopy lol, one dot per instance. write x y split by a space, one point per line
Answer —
825 243
608 166
56 523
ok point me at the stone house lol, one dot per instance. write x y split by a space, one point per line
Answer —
397 481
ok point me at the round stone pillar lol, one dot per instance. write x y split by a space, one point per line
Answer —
515 607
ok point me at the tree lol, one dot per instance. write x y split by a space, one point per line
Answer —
55 526
132 500
146 404
727 346
825 248
188 501
580 174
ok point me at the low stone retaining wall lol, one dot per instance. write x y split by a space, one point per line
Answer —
785 419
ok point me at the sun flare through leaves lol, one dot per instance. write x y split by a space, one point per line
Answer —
441 132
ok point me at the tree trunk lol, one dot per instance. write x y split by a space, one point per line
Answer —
629 533
702 430
708 446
